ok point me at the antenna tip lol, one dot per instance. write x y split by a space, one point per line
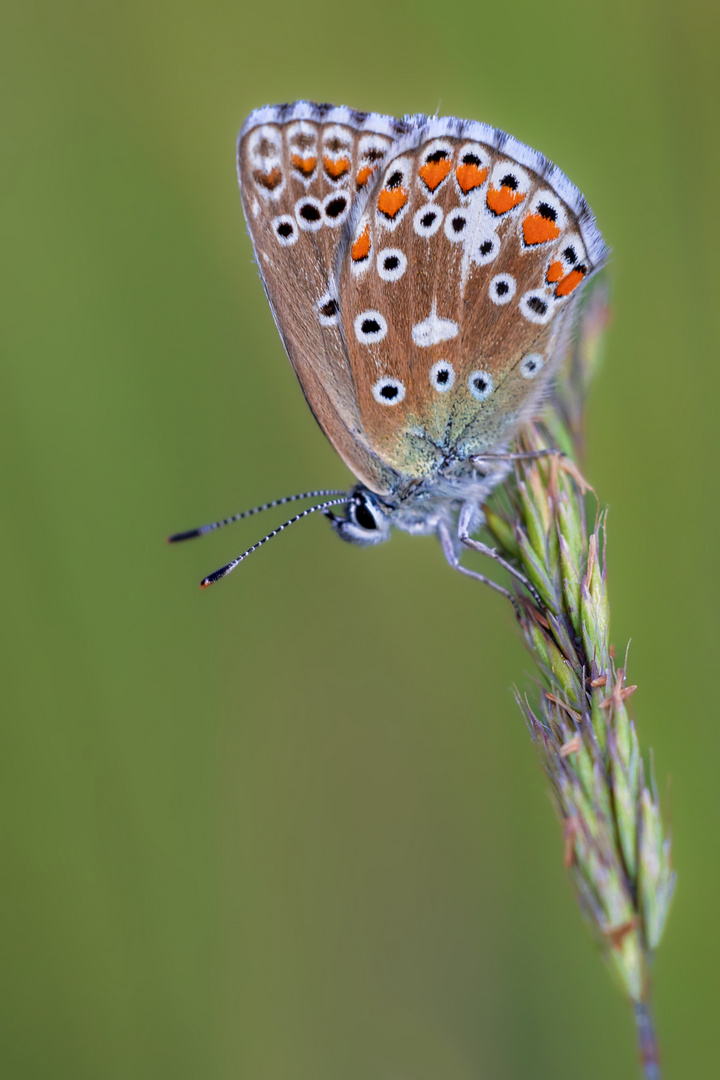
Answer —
189 535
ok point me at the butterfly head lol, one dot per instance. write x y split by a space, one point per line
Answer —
366 521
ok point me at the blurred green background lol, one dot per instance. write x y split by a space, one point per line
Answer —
293 827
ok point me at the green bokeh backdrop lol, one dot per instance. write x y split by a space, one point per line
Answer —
293 827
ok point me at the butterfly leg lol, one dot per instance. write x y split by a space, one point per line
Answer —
525 455
448 549
466 524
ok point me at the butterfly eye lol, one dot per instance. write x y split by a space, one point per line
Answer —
367 521
442 376
502 288
388 391
480 385
531 365
362 515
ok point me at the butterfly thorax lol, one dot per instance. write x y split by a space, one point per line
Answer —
420 507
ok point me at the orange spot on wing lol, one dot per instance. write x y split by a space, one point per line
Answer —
391 201
570 281
269 180
555 272
538 229
434 172
336 167
304 165
470 177
364 175
361 248
504 198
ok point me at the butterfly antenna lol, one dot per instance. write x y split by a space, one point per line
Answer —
191 533
225 570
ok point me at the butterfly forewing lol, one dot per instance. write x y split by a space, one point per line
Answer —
454 285
301 168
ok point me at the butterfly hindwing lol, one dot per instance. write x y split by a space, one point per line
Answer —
454 286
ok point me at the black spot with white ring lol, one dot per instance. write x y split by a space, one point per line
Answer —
336 208
456 225
285 230
480 385
327 309
391 264
536 307
309 214
486 249
442 376
370 327
502 288
427 220
388 391
531 365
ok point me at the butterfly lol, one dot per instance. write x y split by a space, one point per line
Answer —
423 274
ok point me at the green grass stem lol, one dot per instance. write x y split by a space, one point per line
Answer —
544 519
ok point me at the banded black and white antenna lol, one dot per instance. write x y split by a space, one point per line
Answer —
203 529
229 567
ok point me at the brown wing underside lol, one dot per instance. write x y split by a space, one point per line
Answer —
298 183
391 260
464 262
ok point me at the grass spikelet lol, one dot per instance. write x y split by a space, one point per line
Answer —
614 844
